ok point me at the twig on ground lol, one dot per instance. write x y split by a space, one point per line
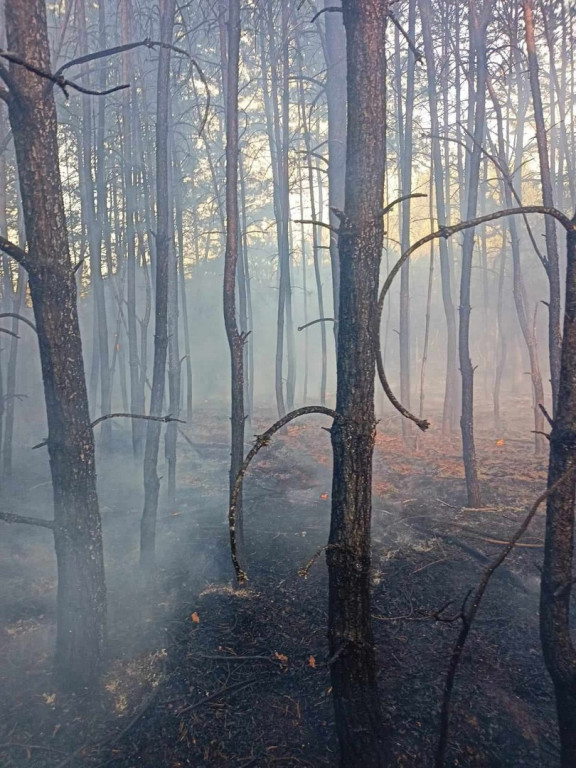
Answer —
223 691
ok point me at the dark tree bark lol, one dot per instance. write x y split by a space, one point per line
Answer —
81 614
353 668
163 246
235 337
557 573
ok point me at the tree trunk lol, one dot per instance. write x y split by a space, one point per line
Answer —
552 264
557 572
235 338
451 389
478 57
163 245
81 611
353 670
336 101
406 189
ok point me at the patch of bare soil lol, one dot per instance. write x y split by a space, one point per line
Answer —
205 675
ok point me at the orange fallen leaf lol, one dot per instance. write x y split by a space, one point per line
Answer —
499 442
323 495
195 618
312 662
280 656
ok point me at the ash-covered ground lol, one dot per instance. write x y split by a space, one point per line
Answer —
200 674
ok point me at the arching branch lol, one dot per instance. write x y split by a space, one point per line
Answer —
330 9
260 442
313 322
446 232
19 317
398 200
146 43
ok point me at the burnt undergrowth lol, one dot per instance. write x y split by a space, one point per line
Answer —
202 674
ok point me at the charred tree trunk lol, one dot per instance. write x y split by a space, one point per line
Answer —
235 337
81 612
557 573
353 668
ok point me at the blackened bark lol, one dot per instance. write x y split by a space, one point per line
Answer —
557 572
235 338
81 611
353 671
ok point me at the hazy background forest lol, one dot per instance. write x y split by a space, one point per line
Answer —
464 139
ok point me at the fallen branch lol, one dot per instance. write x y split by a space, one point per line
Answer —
10 333
467 616
260 442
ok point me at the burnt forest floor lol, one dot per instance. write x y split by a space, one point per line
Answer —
201 674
